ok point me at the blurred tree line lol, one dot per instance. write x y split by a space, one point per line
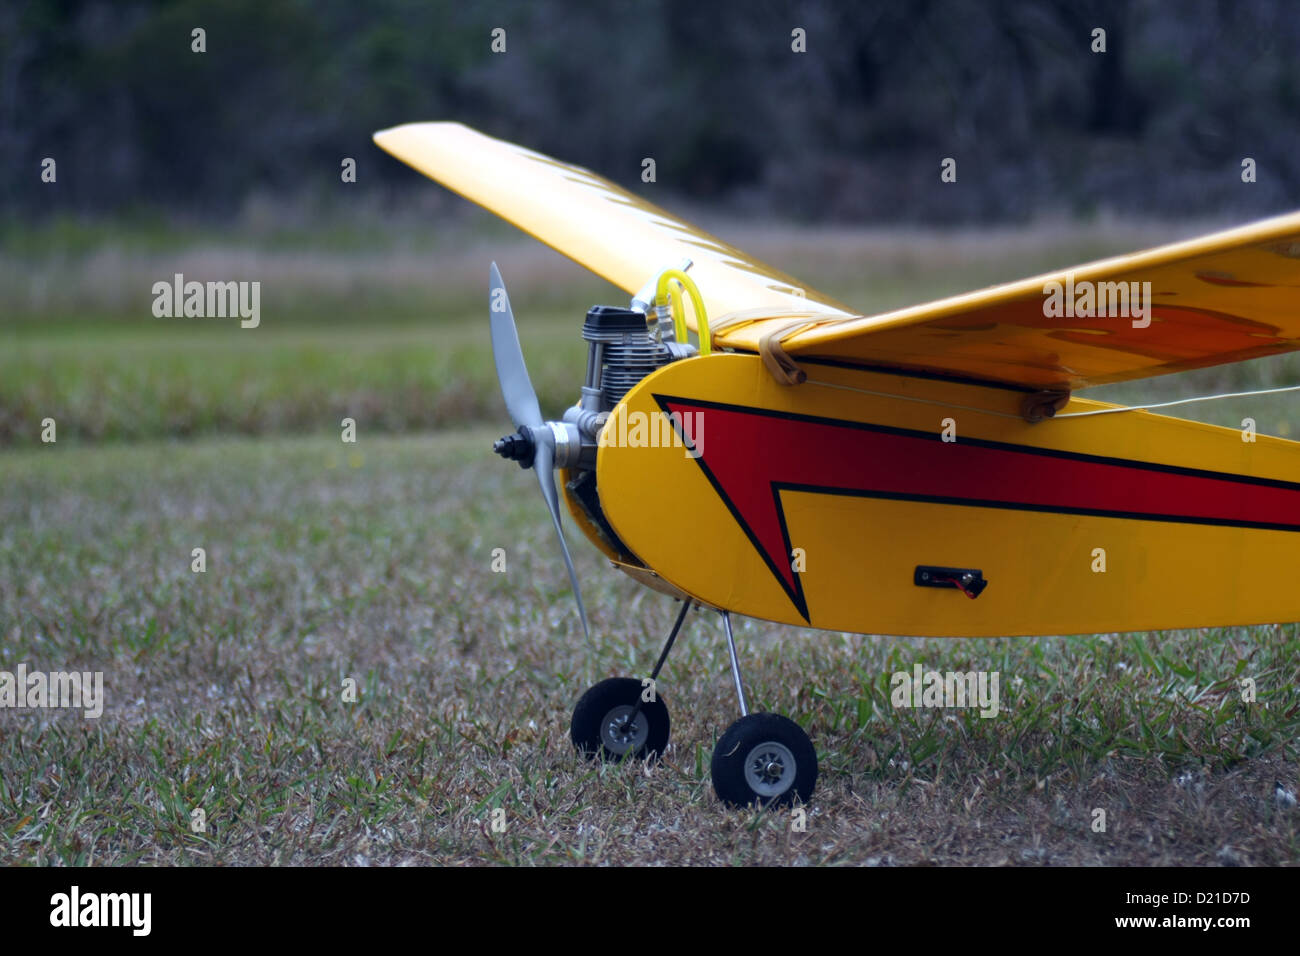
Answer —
855 128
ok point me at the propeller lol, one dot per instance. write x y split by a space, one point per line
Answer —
534 444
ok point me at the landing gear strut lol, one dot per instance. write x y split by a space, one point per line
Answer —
764 759
621 716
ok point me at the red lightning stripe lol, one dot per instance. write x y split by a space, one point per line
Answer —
751 455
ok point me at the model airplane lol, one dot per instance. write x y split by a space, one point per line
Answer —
924 472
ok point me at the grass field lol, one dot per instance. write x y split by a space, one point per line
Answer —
372 562
224 690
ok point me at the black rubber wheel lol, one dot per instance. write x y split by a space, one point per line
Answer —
600 728
765 759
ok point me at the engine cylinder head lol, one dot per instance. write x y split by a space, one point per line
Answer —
627 350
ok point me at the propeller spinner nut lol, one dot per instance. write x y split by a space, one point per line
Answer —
517 447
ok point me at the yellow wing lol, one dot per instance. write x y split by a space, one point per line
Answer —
603 227
1221 298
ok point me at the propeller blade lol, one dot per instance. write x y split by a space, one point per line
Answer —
543 465
512 373
521 402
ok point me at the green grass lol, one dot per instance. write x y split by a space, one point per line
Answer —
120 385
394 334
327 561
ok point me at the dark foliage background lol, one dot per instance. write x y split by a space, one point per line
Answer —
854 129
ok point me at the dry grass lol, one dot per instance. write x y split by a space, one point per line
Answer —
438 263
327 562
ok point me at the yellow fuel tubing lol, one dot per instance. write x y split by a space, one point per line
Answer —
678 310
668 294
663 296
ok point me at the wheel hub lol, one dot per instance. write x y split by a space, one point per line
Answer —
619 735
770 769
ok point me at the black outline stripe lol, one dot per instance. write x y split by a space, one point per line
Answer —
1046 509
795 595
